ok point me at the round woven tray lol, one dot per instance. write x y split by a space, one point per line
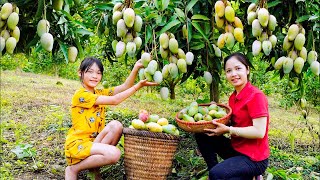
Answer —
148 155
198 127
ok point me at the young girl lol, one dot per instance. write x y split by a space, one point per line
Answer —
89 143
246 153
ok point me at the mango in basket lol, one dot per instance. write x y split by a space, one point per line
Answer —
192 110
187 118
154 127
138 124
203 110
220 114
163 121
212 112
207 117
198 117
180 113
213 107
170 129
153 118
143 115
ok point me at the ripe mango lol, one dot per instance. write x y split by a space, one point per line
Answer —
219 8
181 54
207 77
114 45
238 35
5 34
152 67
287 65
173 70
138 41
137 23
189 58
11 45
192 110
207 117
198 117
187 118
185 31
229 39
293 54
169 128
16 33
128 38
252 8
182 65
164 93
164 52
273 39
256 47
131 49
129 17
43 27
6 10
238 23
72 54
303 53
117 7
203 110
213 107
153 118
121 28
293 32
2 23
303 102
256 28
163 121
145 59
298 65
219 21
57 4
278 64
263 36
312 56
13 20
157 77
221 41
267 47
286 43
173 59
229 28
272 22
47 41
138 124
263 16
315 68
117 15
299 41
165 71
229 14
251 16
217 51
220 114
147 75
120 49
302 31
173 45
164 40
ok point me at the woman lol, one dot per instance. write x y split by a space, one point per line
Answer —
246 153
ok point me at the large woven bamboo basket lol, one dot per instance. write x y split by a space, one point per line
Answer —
198 127
148 155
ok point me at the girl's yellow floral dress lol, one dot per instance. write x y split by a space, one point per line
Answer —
88 120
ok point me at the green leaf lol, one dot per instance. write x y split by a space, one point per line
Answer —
104 6
171 24
148 34
180 13
314 17
84 32
190 5
24 150
165 4
274 3
200 17
197 46
64 49
197 26
303 18
80 49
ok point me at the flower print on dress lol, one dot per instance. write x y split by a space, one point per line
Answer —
98 114
81 99
80 147
92 119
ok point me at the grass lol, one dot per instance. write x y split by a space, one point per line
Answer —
35 111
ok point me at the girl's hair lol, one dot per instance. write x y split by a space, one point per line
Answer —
87 63
240 57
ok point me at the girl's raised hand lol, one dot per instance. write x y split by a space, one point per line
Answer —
138 64
147 83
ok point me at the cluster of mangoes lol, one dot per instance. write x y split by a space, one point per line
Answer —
153 123
263 24
196 113
149 71
297 55
233 27
128 26
10 32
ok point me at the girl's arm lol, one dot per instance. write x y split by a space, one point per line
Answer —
257 131
118 98
130 80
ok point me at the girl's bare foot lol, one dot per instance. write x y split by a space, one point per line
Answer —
70 174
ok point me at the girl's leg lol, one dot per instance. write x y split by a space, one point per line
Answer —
101 154
110 134
211 146
238 168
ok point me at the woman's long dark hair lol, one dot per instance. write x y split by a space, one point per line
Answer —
87 63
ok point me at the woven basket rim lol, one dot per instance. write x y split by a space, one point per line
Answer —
207 122
143 133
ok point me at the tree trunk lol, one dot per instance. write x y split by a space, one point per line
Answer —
214 91
172 93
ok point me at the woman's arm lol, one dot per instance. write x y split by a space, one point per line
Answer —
118 98
257 131
130 80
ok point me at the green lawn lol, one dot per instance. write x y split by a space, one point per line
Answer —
35 111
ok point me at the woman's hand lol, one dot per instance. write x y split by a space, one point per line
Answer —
138 65
145 82
219 130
